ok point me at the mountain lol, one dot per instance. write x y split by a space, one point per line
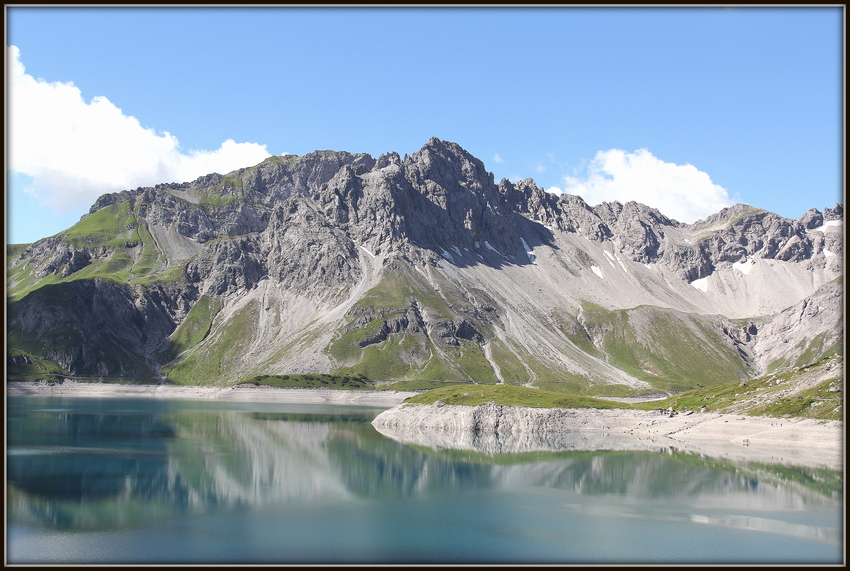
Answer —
420 268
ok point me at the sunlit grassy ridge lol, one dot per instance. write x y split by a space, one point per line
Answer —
127 253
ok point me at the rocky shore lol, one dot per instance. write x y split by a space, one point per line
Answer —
491 428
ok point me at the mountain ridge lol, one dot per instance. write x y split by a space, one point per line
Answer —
419 267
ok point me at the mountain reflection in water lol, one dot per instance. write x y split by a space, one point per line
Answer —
76 464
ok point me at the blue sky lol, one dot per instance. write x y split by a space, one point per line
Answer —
685 109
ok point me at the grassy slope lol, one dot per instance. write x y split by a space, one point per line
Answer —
131 256
669 349
804 393
14 250
195 326
222 351
473 395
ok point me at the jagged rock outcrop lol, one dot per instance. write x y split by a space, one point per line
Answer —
424 267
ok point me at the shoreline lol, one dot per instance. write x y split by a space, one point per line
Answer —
516 429
282 395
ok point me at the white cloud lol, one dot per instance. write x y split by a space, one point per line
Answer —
498 159
681 192
76 151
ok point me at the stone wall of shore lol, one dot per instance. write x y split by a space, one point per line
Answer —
491 417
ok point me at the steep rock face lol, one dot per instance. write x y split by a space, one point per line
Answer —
423 267
798 335
97 327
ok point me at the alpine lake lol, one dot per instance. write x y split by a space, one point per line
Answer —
146 481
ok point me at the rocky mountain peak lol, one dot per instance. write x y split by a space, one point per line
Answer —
314 263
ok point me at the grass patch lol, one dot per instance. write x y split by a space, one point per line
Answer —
817 349
391 292
391 358
210 200
24 366
221 352
419 385
816 402
15 250
113 227
150 259
174 274
509 395
585 389
347 382
22 281
196 325
109 226
510 366
766 396
472 363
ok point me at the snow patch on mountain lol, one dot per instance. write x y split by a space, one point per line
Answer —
744 267
701 284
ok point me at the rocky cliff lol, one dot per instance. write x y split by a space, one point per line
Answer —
420 268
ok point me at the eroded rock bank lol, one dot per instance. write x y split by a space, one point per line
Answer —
493 429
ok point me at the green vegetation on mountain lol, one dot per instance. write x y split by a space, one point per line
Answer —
196 326
15 250
402 297
110 226
669 349
795 393
771 395
205 363
24 366
323 381
508 395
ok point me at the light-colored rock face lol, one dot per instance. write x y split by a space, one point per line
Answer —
494 429
424 266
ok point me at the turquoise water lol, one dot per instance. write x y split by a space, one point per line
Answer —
147 481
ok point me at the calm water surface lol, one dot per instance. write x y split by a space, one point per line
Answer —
148 481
